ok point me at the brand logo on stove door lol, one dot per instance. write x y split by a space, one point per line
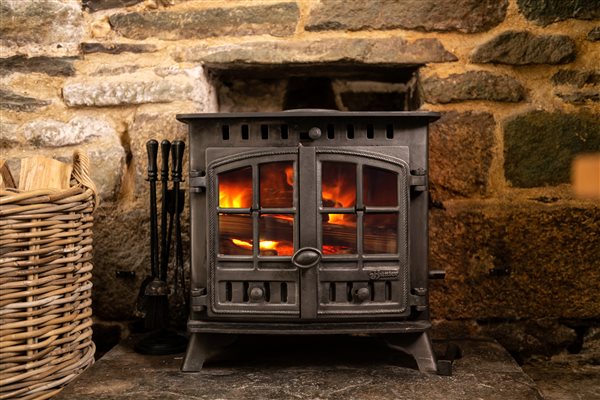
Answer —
383 274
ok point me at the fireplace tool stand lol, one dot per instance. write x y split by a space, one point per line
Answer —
161 340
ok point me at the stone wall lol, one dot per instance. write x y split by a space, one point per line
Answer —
517 82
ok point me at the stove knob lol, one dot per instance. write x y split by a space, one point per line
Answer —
314 133
256 293
363 294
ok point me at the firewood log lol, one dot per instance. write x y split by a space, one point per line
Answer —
6 178
44 173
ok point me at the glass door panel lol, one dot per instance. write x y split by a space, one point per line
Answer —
380 187
235 234
254 231
276 234
362 227
277 185
338 184
235 188
339 234
380 233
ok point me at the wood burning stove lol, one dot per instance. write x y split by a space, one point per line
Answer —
309 222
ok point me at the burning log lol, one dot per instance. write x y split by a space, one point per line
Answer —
239 227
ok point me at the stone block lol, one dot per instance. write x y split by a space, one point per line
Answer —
117 48
539 146
525 338
577 86
97 5
121 243
12 101
472 85
426 15
580 97
107 159
52 133
137 88
594 34
276 19
52 66
108 70
549 254
577 78
328 50
460 154
10 136
545 12
522 48
40 27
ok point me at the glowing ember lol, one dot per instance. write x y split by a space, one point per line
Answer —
329 250
243 244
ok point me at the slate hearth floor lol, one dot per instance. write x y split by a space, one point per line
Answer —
325 367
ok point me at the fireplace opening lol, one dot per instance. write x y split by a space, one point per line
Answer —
333 87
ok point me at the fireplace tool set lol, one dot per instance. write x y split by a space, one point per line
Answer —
155 288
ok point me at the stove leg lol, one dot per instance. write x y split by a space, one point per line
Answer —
202 346
417 345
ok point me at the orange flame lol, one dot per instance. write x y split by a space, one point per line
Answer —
235 197
341 197
289 176
280 248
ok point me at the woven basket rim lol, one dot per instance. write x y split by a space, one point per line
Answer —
80 178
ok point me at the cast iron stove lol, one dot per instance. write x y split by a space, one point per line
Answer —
309 222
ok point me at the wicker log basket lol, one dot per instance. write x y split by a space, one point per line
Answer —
45 286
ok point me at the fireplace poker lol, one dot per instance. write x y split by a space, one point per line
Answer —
156 291
165 149
176 175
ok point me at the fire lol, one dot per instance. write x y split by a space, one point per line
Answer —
289 176
234 197
341 196
235 188
268 246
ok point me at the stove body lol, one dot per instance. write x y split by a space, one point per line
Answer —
309 222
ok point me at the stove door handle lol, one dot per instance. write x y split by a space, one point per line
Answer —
306 257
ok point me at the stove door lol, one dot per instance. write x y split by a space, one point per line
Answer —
331 226
255 202
362 201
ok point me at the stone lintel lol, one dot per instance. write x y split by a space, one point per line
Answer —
356 51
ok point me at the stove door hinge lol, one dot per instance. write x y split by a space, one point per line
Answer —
418 179
197 181
199 299
419 299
